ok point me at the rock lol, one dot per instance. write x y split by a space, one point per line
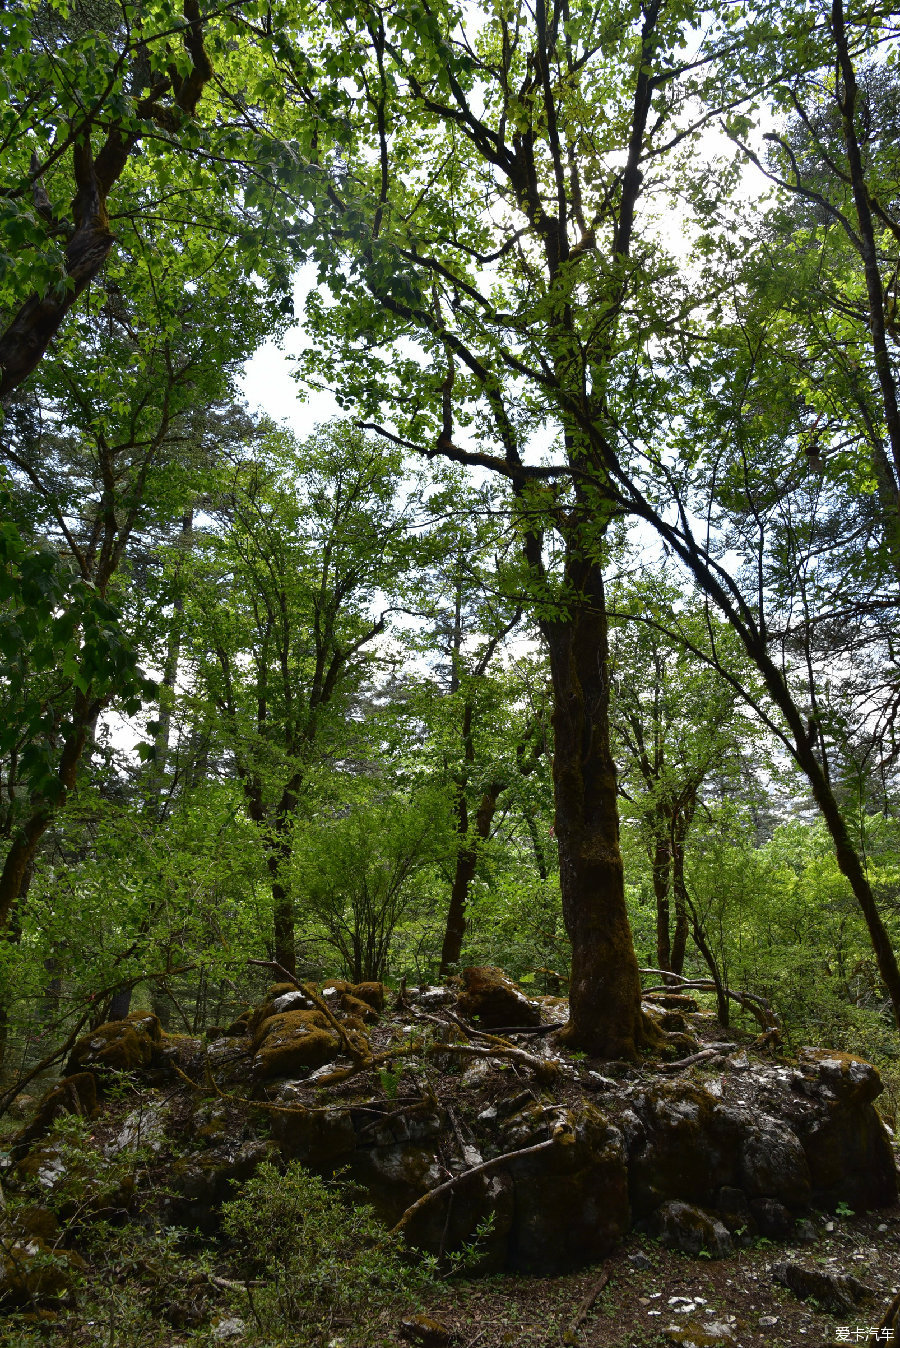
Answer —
226 1331
805 1232
359 1010
240 1026
571 1201
34 1221
422 1330
22 1107
684 1227
772 1165
683 1144
291 1001
847 1148
321 1139
75 1094
144 1127
119 1045
733 1207
287 1043
31 1270
494 1001
837 1292
201 1182
852 1080
772 1218
373 994
639 1260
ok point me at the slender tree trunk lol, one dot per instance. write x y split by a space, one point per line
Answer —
27 838
681 822
723 1005
466 863
605 991
661 867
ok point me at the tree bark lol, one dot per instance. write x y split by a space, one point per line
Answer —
605 991
466 863
661 868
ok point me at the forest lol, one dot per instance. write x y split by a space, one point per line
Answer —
532 722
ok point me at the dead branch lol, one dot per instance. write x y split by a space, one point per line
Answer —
584 1306
707 1055
750 1001
495 1164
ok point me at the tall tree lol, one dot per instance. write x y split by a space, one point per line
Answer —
289 594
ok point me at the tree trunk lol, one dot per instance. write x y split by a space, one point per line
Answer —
723 1006
27 838
661 868
605 993
681 822
466 862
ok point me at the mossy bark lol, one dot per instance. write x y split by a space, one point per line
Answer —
605 993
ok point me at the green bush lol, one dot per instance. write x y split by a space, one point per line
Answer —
318 1258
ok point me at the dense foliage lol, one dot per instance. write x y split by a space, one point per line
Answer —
573 647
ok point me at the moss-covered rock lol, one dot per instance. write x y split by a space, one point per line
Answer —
32 1270
319 1138
494 1001
118 1045
293 1041
682 1226
75 1094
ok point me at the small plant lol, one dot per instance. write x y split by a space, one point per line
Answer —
390 1081
844 1210
320 1258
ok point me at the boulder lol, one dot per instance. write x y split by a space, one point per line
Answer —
683 1144
681 1226
201 1182
118 1045
321 1139
837 1292
494 1001
570 1201
286 1044
31 1270
846 1144
772 1164
75 1094
373 994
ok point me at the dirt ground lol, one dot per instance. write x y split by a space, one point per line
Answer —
652 1291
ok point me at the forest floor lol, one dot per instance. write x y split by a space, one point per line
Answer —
142 1283
647 1290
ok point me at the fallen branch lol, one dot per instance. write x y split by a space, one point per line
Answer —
542 1067
750 1001
495 1164
584 1306
707 1055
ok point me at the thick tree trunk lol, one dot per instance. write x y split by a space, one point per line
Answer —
605 993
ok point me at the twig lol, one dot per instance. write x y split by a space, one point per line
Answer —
584 1306
495 1164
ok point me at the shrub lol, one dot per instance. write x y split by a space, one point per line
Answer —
319 1259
